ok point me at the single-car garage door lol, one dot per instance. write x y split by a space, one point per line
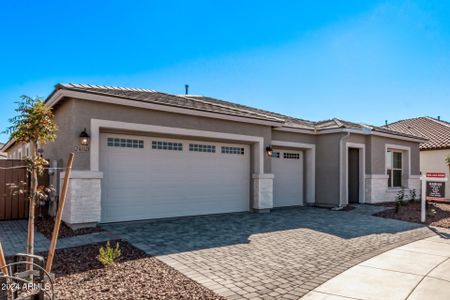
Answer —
157 177
287 167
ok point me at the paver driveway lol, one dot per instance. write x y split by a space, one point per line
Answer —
282 255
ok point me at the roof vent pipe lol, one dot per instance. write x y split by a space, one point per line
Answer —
186 87
439 118
385 123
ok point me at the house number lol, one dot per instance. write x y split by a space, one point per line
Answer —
81 148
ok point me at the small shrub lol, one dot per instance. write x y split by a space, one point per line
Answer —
399 200
447 159
412 195
108 255
397 206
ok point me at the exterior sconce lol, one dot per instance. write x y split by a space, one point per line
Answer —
269 150
84 138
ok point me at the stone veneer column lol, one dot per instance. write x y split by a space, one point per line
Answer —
83 202
262 192
376 188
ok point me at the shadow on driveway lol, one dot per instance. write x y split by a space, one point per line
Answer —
160 237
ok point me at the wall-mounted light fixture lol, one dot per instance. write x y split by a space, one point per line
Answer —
269 150
84 138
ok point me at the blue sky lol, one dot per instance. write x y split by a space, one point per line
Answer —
364 61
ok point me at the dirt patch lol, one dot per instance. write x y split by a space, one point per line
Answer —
134 276
45 226
410 212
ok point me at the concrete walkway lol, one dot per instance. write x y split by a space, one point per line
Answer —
416 271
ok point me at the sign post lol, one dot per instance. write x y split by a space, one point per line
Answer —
433 188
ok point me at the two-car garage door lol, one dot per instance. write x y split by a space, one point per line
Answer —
157 177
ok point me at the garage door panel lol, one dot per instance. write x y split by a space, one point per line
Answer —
156 183
287 167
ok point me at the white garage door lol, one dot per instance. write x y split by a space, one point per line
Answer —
287 167
156 177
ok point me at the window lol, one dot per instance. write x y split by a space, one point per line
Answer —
275 154
291 155
202 148
162 145
232 150
125 143
394 168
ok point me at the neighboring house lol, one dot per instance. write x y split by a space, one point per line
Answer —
3 155
157 155
436 149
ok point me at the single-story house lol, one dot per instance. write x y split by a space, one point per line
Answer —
433 152
158 155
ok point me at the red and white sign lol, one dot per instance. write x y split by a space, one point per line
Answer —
435 175
433 188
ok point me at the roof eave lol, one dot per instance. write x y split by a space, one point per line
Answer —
64 92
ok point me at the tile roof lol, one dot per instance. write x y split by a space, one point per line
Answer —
339 123
436 131
288 121
151 96
209 104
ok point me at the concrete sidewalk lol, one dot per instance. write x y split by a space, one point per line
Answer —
420 270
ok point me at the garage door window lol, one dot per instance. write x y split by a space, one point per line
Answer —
125 143
275 154
291 155
232 150
202 148
162 145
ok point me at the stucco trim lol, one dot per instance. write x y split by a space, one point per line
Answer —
362 171
97 124
296 130
309 165
355 131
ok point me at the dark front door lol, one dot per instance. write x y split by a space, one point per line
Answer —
353 175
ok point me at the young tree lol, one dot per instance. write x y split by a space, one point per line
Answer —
33 125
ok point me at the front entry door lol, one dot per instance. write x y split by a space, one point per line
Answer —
353 175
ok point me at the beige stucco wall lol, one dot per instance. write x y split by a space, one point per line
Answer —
434 161
293 137
377 157
63 145
327 169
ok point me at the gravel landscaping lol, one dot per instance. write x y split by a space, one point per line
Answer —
410 212
135 275
45 226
